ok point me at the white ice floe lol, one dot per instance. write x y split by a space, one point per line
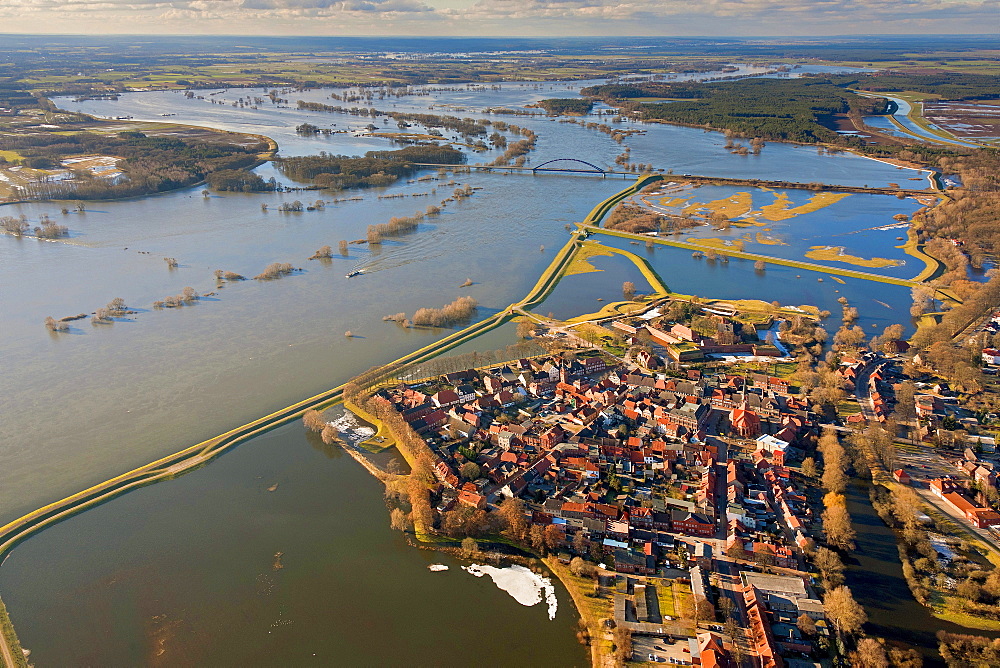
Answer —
351 430
526 587
437 567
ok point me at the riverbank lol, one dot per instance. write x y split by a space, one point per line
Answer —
935 599
10 648
593 611
768 259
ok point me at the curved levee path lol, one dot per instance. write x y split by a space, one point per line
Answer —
200 454
195 456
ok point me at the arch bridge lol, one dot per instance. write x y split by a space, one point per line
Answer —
594 169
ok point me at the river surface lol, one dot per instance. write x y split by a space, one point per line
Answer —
901 114
184 570
875 576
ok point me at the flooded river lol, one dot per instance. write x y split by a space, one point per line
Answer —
185 572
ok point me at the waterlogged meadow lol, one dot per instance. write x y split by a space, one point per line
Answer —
847 230
187 571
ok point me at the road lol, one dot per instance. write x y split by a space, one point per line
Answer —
730 586
10 657
922 462
7 653
694 178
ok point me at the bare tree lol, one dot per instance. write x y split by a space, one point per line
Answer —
628 290
843 610
117 307
54 325
313 420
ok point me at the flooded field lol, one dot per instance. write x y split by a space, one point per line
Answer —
184 572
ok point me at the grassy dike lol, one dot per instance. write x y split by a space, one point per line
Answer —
195 456
11 654
805 266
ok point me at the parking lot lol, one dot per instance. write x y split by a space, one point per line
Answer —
677 653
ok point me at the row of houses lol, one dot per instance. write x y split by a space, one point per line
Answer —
616 457
774 603
767 517
952 492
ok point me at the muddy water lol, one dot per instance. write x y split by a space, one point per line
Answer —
184 572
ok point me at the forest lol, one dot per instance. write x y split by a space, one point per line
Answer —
560 106
148 164
780 109
375 168
239 180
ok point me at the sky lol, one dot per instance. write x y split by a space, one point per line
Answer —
542 18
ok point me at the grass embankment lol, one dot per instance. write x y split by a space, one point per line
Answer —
382 439
592 610
10 642
933 267
806 266
164 468
609 310
598 212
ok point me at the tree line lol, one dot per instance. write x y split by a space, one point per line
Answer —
463 126
148 164
375 168
560 106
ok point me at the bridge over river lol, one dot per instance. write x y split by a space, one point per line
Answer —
544 168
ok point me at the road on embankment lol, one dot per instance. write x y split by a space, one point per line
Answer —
703 180
18 530
769 259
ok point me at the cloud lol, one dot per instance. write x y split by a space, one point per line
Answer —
238 9
498 17
775 12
